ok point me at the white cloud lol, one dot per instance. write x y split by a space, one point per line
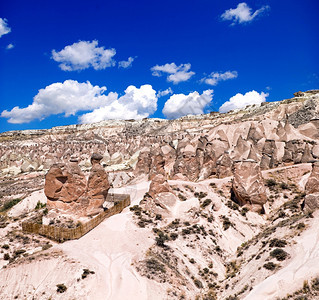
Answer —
136 103
176 73
68 97
71 97
4 28
242 13
10 46
215 77
165 92
84 54
126 63
241 101
179 105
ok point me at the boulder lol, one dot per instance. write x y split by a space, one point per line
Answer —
67 189
158 185
311 202
160 198
224 166
247 185
312 185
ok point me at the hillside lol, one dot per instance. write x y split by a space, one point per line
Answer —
223 206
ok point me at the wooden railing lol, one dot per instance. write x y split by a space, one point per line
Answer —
61 234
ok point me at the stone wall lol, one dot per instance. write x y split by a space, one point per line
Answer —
61 234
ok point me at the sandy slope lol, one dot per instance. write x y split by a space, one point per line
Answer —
302 265
108 250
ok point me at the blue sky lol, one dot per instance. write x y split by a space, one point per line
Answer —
201 54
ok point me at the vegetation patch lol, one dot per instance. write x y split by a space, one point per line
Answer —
61 288
270 266
154 266
279 254
9 204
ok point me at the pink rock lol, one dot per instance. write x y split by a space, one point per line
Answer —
247 185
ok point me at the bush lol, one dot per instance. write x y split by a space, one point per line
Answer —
277 243
271 182
61 288
206 203
315 284
40 205
279 254
198 283
182 197
155 266
161 239
5 246
226 222
173 236
270 266
284 186
244 211
86 272
18 252
7 205
6 256
158 217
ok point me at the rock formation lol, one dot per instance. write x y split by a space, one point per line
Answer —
68 190
160 197
247 185
312 189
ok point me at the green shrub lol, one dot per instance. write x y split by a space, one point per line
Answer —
40 205
61 288
158 217
279 254
5 246
270 266
154 266
206 203
315 284
6 256
9 204
198 283
226 222
284 186
182 197
277 243
86 272
161 239
271 182
192 260
173 236
244 211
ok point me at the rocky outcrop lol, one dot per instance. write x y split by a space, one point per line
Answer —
160 198
67 189
247 185
312 189
193 147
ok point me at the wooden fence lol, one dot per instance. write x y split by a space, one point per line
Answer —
61 234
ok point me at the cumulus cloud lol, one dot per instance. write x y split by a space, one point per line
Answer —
241 101
176 73
71 97
242 13
10 46
165 92
68 97
215 77
136 103
179 105
84 54
126 63
4 28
